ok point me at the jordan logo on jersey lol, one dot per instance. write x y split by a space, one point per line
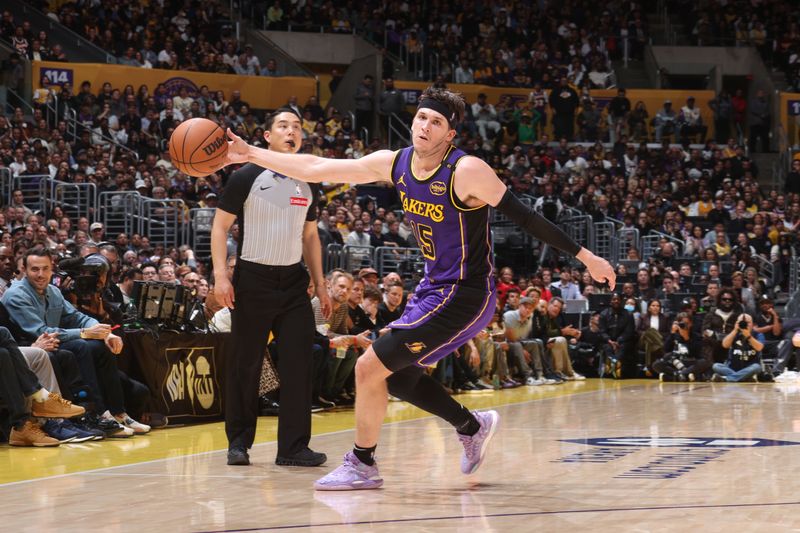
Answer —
402 180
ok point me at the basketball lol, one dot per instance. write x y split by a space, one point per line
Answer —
198 147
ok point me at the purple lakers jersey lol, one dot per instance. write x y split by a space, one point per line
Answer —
453 238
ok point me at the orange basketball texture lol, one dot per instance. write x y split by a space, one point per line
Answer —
198 147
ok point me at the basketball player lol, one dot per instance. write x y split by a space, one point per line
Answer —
446 195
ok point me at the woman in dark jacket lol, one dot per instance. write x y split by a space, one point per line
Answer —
653 328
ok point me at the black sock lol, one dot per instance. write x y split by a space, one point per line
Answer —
365 455
470 426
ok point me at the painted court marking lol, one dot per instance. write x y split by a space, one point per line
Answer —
503 515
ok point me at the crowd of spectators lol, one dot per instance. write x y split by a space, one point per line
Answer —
168 35
773 27
510 44
30 44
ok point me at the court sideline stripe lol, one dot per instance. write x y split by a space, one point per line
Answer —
503 515
199 454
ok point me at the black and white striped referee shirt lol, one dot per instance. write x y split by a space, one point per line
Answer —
272 210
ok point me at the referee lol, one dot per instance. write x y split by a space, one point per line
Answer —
277 221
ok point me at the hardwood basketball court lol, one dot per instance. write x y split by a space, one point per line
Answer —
594 456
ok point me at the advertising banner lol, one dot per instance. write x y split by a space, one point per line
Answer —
259 91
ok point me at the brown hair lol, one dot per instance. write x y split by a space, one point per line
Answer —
454 102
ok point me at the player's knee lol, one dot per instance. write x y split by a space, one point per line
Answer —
369 368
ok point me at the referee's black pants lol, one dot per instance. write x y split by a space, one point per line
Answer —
270 298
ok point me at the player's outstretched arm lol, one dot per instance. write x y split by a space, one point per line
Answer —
477 183
371 168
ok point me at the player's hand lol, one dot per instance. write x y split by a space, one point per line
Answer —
224 291
324 301
238 150
598 267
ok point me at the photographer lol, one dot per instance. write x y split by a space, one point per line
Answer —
679 364
718 322
744 352
85 284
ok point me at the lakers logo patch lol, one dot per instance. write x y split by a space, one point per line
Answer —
438 188
415 347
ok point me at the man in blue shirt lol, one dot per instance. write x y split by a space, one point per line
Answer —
569 290
38 307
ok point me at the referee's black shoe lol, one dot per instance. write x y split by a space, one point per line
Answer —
238 457
306 457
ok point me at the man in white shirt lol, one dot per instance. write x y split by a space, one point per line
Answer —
485 116
230 57
575 165
357 237
176 113
692 122
250 61
164 55
182 102
18 165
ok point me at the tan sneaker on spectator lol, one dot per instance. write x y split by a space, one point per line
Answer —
31 434
56 407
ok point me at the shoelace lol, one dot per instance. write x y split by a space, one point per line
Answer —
37 431
470 447
356 464
58 399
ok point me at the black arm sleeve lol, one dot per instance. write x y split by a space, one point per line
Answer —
535 224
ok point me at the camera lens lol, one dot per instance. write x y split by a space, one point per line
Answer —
743 324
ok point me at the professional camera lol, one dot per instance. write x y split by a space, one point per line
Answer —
743 324
89 275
